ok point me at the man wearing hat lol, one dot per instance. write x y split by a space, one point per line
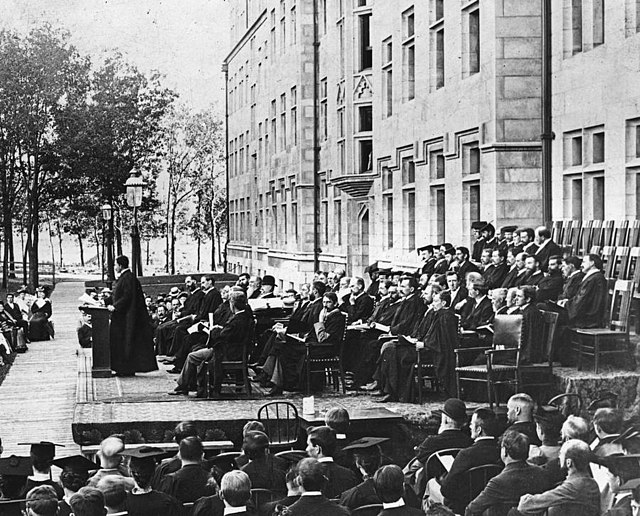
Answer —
321 445
506 242
450 435
489 236
374 275
368 458
74 475
264 470
14 471
42 454
267 288
13 309
478 240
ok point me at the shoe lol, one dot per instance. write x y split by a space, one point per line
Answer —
386 399
276 391
178 392
370 386
201 395
377 394
175 370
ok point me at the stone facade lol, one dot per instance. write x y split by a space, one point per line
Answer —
596 99
428 118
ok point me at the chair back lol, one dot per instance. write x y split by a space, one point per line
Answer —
291 456
596 233
607 232
367 510
507 330
607 256
633 266
548 333
621 305
434 465
281 422
477 478
569 403
620 233
576 235
556 232
261 496
585 237
619 265
634 233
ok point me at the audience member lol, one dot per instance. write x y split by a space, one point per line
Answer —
235 492
607 425
74 475
520 416
114 490
518 478
312 480
293 493
549 423
110 460
182 430
389 485
264 470
88 501
41 501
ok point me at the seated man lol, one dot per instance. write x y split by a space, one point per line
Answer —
578 495
312 481
450 435
485 450
389 484
13 309
88 501
588 307
110 460
496 272
181 431
518 478
293 493
321 445
114 490
550 287
235 492
368 457
191 481
42 455
41 501
549 421
477 311
520 416
224 343
531 351
607 425
264 470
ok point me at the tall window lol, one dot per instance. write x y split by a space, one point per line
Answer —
365 119
294 209
341 141
387 205
598 147
439 58
598 198
283 211
387 74
337 220
474 202
576 199
365 49
440 215
283 27
436 165
324 211
409 197
253 108
365 147
323 109
283 121
598 22
294 116
473 56
274 128
292 26
273 32
408 54
576 25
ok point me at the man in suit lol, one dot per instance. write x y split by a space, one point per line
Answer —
389 484
267 288
459 292
321 445
497 270
411 310
518 478
191 481
450 435
374 275
265 470
478 240
546 247
465 266
527 243
359 305
428 259
485 450
165 332
489 235
550 286
534 275
312 481
520 416
170 465
368 458
573 275
131 332
235 492
12 308
478 310
506 242
224 341
587 308
293 493
531 351
517 271
577 495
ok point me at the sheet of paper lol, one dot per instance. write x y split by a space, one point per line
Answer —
447 461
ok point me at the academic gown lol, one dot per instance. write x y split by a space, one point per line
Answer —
131 332
441 339
153 503
587 308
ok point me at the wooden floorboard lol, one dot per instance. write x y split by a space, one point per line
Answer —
38 395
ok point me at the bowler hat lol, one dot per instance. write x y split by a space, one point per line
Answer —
269 280
455 409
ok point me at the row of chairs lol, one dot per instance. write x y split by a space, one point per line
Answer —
582 235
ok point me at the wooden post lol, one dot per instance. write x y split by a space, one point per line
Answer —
101 346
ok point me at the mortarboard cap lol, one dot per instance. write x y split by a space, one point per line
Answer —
630 485
479 224
16 466
76 463
427 247
508 229
489 227
43 450
365 442
144 452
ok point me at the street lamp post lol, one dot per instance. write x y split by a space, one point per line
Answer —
107 216
134 199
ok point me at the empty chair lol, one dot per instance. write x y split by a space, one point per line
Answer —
281 423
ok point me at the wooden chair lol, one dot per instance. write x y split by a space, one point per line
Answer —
507 335
566 232
332 367
433 467
569 403
585 237
595 249
367 510
556 231
607 255
598 342
607 232
620 233
476 479
224 462
281 423
632 272
577 227
596 234
634 233
291 456
260 496
424 372
619 264
233 372
539 375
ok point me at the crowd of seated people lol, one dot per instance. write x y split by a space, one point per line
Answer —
389 321
536 461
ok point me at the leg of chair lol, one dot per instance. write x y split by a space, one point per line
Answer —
596 354
418 377
489 392
308 371
458 390
247 383
579 342
342 379
207 377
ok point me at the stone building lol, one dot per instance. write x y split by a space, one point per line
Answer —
413 119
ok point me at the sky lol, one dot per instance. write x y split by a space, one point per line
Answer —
186 40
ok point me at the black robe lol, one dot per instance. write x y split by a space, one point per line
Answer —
131 332
39 326
153 503
494 275
587 308
441 339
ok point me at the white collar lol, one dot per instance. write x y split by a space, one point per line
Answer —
40 477
543 244
311 493
393 505
123 513
590 273
341 436
484 438
478 301
234 510
574 273
326 459
123 271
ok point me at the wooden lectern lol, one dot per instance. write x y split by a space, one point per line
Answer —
101 347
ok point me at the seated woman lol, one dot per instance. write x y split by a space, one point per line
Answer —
40 328
7 326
